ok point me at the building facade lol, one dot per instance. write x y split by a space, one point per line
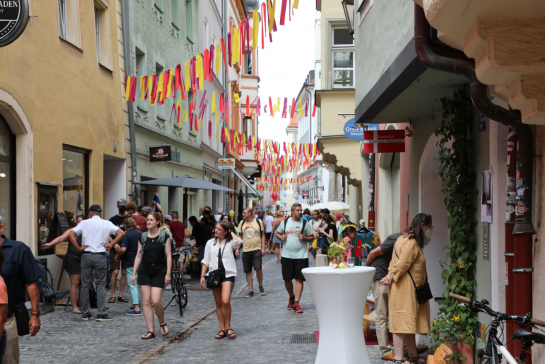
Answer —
163 34
61 121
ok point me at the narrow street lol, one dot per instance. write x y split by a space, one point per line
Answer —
263 325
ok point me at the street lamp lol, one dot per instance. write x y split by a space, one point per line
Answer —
348 6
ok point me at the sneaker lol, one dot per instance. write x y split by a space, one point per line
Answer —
86 318
104 318
249 294
261 291
133 312
290 304
168 287
297 308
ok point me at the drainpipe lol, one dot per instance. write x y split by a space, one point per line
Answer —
127 52
444 59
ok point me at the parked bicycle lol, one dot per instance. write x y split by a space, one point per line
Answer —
179 288
495 350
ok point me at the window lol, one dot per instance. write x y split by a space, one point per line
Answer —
247 126
248 62
219 6
159 4
75 184
47 208
160 108
174 14
189 19
103 38
69 21
141 71
343 59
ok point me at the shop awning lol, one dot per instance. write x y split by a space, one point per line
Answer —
185 182
245 181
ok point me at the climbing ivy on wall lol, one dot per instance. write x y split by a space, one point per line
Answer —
456 322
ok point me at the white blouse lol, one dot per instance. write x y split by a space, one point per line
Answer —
211 254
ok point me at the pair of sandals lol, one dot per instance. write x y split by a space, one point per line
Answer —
414 360
151 335
120 299
221 334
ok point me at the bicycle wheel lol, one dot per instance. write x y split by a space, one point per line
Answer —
177 287
184 295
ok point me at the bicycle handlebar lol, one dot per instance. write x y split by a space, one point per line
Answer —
537 322
460 298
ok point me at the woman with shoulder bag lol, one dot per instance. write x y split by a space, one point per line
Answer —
153 263
409 292
219 262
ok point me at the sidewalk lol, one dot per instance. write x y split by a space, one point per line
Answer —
262 324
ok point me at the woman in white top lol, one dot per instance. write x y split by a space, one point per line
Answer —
227 241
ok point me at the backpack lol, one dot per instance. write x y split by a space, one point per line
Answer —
47 292
162 240
285 222
259 223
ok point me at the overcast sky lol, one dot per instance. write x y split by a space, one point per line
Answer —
284 64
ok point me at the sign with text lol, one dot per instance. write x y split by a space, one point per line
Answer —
160 154
354 132
13 20
384 141
226 163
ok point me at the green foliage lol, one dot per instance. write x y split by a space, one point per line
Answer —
456 322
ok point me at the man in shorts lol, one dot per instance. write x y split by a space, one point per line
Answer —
295 232
252 232
268 220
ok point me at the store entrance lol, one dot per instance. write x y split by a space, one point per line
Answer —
7 178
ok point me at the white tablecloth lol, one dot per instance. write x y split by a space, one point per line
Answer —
339 296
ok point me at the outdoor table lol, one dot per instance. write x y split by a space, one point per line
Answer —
339 296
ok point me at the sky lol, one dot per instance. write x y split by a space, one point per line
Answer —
284 65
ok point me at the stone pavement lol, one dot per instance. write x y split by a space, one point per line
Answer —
262 323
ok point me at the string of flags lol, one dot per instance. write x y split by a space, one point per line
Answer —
277 184
190 77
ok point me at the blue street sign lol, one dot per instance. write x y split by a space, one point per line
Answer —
353 132
296 198
284 195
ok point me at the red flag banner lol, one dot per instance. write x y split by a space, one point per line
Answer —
384 141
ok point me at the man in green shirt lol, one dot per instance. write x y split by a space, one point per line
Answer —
295 232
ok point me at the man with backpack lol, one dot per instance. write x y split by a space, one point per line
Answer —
252 232
295 232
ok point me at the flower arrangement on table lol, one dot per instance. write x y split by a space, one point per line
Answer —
338 251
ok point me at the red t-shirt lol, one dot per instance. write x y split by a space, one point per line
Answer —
140 223
177 228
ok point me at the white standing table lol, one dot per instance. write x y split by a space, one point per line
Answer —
339 296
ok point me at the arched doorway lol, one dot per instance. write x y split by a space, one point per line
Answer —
7 178
431 202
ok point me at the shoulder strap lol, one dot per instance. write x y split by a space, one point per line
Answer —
242 226
304 225
143 239
260 224
285 224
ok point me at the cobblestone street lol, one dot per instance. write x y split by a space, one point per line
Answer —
262 324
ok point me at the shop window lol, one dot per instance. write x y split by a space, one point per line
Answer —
7 178
102 34
69 21
159 4
75 183
189 19
47 208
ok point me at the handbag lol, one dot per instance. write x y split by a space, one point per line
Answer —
423 294
213 280
315 244
21 319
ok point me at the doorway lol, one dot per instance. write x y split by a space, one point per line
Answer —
115 185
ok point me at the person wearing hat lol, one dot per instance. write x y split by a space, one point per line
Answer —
117 220
95 234
168 219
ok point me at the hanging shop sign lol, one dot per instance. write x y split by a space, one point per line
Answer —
160 154
226 163
13 20
384 141
355 131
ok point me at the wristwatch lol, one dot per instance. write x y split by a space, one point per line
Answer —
36 313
